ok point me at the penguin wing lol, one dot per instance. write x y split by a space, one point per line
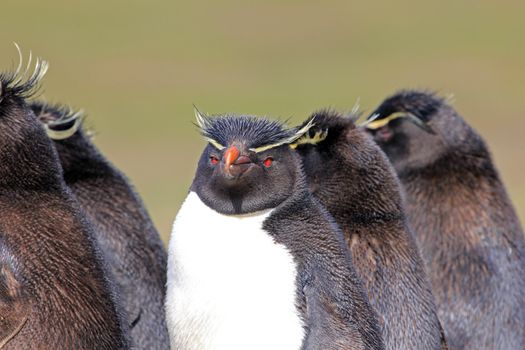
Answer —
328 329
125 281
14 308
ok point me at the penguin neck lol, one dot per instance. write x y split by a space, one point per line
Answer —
456 165
28 160
361 195
81 160
449 189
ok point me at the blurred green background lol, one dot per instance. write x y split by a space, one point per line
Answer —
136 67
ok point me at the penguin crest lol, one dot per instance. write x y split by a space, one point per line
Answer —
22 83
263 134
60 122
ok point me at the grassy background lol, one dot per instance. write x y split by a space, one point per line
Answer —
136 67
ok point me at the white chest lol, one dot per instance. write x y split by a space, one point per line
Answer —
230 286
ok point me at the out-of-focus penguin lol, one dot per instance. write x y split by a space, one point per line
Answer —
353 179
53 290
125 234
254 262
465 225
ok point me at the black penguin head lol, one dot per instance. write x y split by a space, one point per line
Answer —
15 88
60 122
27 158
248 164
324 147
64 126
339 158
416 129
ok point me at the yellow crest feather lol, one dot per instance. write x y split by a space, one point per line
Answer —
64 134
310 140
288 141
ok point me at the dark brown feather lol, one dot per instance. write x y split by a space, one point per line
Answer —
465 225
350 175
125 234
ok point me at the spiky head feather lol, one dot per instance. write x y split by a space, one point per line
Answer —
257 134
328 123
60 122
416 106
20 83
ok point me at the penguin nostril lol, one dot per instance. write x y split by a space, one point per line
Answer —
242 160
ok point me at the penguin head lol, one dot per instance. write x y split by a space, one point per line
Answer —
323 147
64 126
415 129
247 165
340 158
27 158
16 87
60 122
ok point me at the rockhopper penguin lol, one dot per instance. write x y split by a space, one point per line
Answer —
53 292
464 222
254 262
125 234
353 179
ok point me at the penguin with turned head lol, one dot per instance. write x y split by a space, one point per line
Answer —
125 234
466 228
353 179
53 290
254 262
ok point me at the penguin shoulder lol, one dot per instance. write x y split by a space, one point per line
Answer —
335 306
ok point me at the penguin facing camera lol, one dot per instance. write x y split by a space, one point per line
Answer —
254 262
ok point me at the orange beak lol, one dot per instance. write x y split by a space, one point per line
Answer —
230 155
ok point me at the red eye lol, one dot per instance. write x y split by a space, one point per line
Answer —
268 162
214 160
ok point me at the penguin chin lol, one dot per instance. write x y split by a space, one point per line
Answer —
251 192
238 202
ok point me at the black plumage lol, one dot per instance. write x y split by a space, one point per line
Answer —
329 298
255 131
53 289
353 179
467 230
125 234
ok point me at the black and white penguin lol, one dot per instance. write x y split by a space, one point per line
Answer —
353 179
466 228
131 246
53 290
254 262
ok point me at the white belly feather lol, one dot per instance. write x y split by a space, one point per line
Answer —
230 286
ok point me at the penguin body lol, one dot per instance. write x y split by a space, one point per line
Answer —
124 232
352 178
53 289
465 225
257 269
254 262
